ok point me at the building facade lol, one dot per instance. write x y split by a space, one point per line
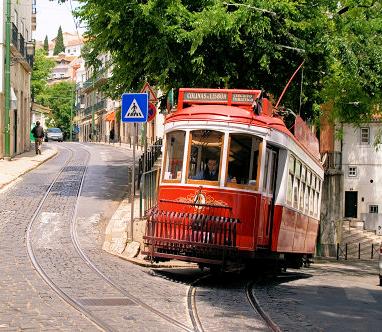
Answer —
23 22
362 170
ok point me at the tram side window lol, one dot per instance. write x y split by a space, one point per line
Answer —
243 159
290 180
174 155
205 155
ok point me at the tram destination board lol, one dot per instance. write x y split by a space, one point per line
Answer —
223 97
134 107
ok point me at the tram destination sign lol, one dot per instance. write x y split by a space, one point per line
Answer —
220 97
205 96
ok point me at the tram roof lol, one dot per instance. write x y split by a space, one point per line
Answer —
223 113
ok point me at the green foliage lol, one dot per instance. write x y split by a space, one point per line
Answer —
253 44
59 98
42 67
59 46
354 80
46 45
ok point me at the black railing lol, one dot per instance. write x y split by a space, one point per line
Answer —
15 36
152 155
22 45
357 250
30 60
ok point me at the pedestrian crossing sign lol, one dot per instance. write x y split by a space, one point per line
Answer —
134 107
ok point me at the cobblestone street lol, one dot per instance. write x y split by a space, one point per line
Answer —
71 284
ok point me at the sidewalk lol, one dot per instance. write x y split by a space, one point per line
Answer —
19 165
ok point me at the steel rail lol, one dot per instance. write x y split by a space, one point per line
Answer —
64 296
256 306
191 303
76 243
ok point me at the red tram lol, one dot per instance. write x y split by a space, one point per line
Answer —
261 202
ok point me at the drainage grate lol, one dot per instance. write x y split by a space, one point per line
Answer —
106 302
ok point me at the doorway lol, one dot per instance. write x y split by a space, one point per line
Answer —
351 201
15 134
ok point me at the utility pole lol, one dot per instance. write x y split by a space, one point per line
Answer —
71 115
7 82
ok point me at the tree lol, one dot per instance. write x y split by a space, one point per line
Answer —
355 75
250 44
42 67
59 46
59 98
46 45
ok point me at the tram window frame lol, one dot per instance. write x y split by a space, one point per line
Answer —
311 202
253 170
303 173
308 177
219 160
301 196
290 188
291 177
166 172
306 199
296 188
298 169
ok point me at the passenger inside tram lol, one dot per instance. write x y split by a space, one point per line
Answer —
205 155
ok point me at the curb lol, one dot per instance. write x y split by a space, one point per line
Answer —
9 183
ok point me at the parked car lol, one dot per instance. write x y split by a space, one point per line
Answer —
54 134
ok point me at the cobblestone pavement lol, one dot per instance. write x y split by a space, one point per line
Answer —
328 296
26 302
297 301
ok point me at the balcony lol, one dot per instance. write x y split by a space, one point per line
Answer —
22 45
15 36
97 79
96 107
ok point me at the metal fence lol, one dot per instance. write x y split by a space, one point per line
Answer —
148 190
349 250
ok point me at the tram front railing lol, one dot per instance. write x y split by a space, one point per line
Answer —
195 236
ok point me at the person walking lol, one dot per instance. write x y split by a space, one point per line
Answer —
38 134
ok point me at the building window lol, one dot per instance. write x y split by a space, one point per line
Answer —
365 135
373 208
352 171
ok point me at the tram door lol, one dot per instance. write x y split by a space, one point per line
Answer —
267 200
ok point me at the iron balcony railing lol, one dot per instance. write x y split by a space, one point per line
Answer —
22 45
99 75
96 107
15 36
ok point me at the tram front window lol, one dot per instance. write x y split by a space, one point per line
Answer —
205 154
243 159
174 156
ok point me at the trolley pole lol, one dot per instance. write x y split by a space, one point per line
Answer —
7 81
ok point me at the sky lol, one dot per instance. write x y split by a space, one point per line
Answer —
50 15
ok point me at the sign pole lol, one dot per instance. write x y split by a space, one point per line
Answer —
133 188
134 109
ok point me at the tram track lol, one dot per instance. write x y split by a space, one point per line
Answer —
257 308
70 300
39 269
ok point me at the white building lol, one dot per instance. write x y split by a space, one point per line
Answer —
73 44
362 171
